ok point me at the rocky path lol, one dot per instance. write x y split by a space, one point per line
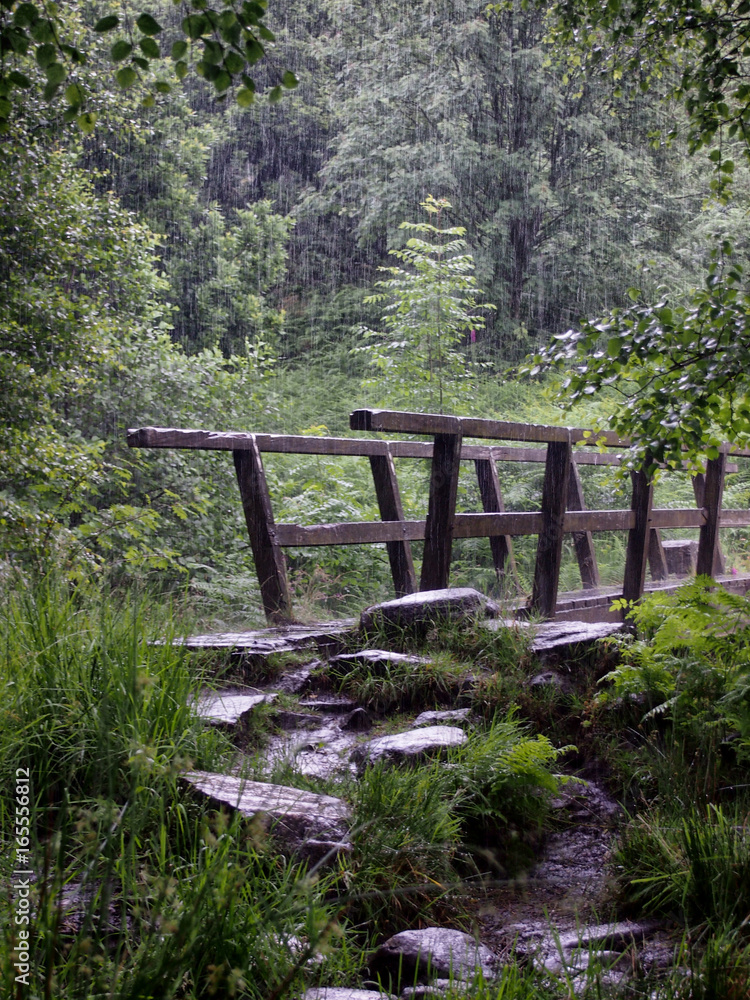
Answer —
556 916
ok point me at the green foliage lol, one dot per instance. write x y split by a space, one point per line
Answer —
679 369
690 660
696 867
429 311
228 42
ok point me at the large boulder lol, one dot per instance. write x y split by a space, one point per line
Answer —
432 953
417 612
311 825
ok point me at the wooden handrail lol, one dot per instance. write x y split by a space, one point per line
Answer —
562 508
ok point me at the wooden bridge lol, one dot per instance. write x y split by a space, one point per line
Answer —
562 507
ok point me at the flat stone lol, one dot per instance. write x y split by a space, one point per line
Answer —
422 609
605 943
294 816
681 556
229 708
555 636
432 953
329 704
281 639
376 660
409 746
297 680
344 993
454 715
552 680
437 989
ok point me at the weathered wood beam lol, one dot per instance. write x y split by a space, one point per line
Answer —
634 579
713 494
549 545
391 509
699 489
269 559
492 502
441 510
657 559
582 540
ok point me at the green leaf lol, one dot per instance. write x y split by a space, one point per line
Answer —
149 48
107 23
120 50
42 31
234 63
179 50
74 95
126 77
213 52
195 25
148 101
5 107
289 80
254 51
162 87
245 97
266 33
223 81
275 95
634 294
50 90
613 347
181 70
86 122
19 79
55 73
25 15
148 25
45 54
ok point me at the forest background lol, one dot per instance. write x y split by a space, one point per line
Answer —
184 261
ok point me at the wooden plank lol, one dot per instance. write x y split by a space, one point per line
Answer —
735 519
699 489
439 423
638 537
549 546
657 560
582 540
349 533
492 502
269 559
713 494
441 511
391 509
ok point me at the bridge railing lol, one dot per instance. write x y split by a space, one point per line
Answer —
562 507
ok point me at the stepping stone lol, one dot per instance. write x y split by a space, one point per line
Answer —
296 681
230 708
310 824
605 943
556 636
432 953
376 660
454 715
410 746
283 639
296 720
422 609
329 704
437 989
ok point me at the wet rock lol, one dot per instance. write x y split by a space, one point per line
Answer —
410 746
681 556
419 611
457 716
281 639
587 802
292 816
344 993
558 637
432 953
297 680
607 944
377 661
230 708
358 721
296 720
329 704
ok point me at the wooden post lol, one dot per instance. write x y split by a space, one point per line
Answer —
389 503
657 559
492 503
438 538
638 537
699 489
582 540
713 494
268 556
549 546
